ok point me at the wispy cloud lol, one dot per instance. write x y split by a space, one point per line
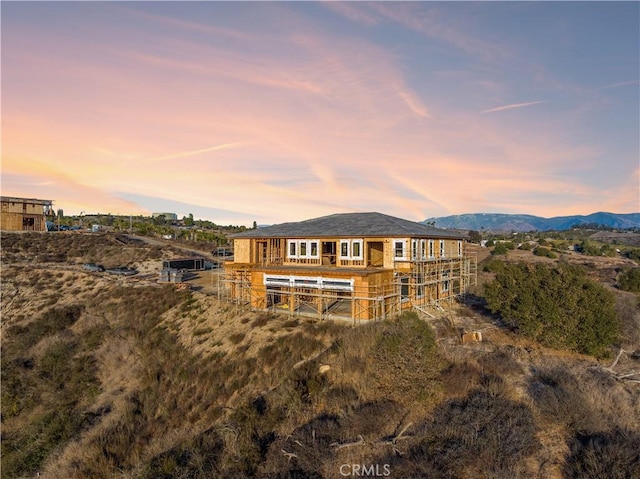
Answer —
353 12
435 23
512 106
414 103
617 85
185 154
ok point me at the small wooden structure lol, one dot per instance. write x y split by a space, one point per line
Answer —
471 337
24 214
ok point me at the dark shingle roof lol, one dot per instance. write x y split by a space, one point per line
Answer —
349 225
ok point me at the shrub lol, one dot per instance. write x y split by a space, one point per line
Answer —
196 457
52 321
493 265
629 280
236 338
202 331
608 250
500 248
546 252
460 378
499 362
557 395
405 360
588 249
614 455
633 254
480 435
558 306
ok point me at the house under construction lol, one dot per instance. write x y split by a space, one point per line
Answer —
24 214
358 266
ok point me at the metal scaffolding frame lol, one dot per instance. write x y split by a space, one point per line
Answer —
425 284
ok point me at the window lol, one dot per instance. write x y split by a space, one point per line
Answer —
418 249
344 249
304 249
356 249
404 289
313 250
351 249
419 286
398 249
311 282
459 248
442 248
431 249
445 283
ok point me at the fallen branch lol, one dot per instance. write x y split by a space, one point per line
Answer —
289 455
610 368
394 440
360 442
622 376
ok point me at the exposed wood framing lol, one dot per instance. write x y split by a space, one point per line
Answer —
377 294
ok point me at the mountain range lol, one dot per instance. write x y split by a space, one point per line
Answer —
516 222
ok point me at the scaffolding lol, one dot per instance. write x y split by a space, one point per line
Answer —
419 283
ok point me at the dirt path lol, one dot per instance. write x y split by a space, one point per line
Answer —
167 244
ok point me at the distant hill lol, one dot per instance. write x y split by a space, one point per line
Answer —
509 222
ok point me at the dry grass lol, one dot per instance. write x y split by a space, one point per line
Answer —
144 382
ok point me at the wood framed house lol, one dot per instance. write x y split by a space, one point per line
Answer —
359 266
24 214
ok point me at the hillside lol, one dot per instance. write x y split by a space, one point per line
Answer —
117 377
515 222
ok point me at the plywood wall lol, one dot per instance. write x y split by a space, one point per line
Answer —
242 250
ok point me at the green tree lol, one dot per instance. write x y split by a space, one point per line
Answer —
475 236
558 306
188 221
500 248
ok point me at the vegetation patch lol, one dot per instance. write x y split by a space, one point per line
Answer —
558 306
629 280
50 322
612 454
480 435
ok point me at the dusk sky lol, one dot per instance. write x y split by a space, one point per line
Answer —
283 111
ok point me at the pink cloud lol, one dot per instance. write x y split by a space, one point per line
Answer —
303 125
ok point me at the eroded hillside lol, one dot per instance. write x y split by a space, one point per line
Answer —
114 377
